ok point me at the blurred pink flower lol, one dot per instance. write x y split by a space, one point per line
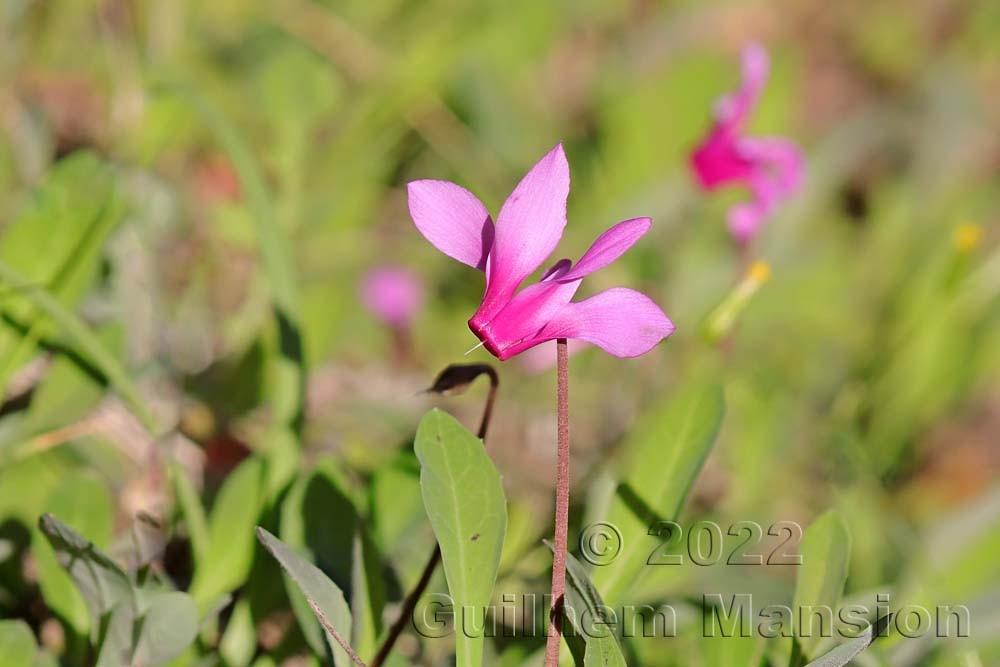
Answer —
621 321
392 294
772 168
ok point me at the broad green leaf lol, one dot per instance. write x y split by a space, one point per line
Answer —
585 609
17 644
603 652
667 450
67 393
115 645
239 642
55 242
826 553
230 534
315 586
83 340
25 484
342 550
397 516
45 659
721 648
847 651
465 503
82 501
102 582
367 596
168 626
192 512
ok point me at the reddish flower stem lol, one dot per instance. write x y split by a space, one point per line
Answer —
562 507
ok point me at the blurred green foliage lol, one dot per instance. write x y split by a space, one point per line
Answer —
193 191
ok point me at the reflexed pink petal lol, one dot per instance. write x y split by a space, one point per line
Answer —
608 247
621 321
392 294
778 170
528 229
779 167
453 220
771 168
733 109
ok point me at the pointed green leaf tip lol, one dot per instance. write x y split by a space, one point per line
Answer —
826 553
847 651
316 586
465 503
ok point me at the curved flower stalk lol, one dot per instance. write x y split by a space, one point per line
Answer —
511 320
621 321
771 168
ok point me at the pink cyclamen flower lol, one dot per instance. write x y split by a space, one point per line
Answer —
772 168
621 321
392 294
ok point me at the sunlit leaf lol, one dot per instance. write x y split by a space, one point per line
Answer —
667 448
82 501
586 610
17 644
230 545
315 586
169 624
103 583
826 554
465 503
850 649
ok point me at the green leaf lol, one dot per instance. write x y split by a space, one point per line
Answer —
343 551
603 652
847 651
367 595
230 534
585 609
102 582
55 242
239 641
720 648
83 501
316 587
116 642
465 503
17 644
168 626
826 553
667 450
192 511
85 341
